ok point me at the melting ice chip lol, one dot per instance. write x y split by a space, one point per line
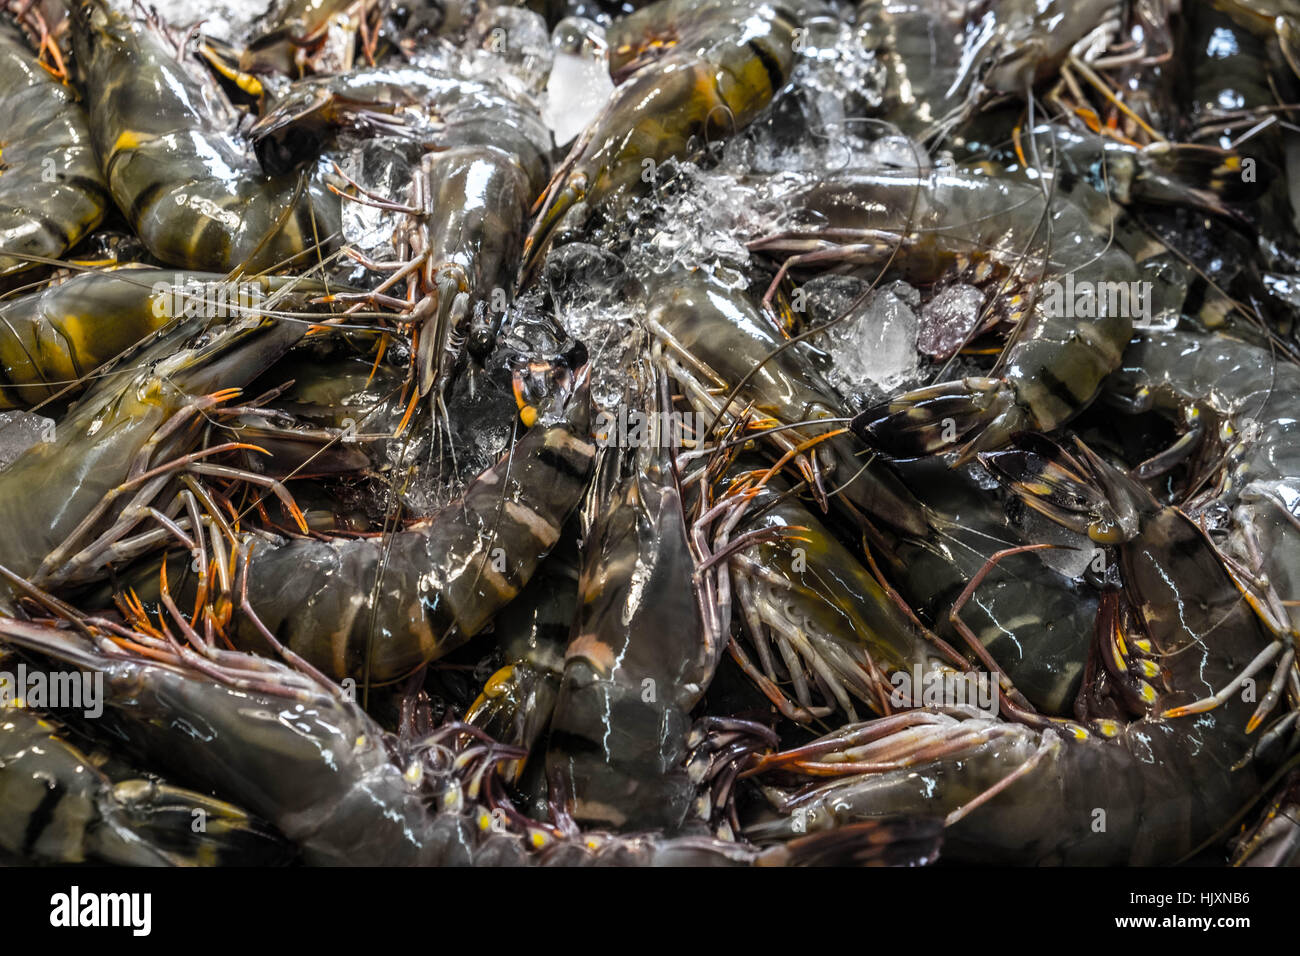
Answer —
19 431
579 85
948 318
229 20
385 172
877 342
511 46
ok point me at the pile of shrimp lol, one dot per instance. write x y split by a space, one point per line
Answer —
687 432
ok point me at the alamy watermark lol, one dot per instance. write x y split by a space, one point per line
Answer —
53 690
1084 299
631 428
944 688
75 909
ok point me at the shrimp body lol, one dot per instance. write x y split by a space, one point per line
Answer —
51 190
350 794
191 188
378 607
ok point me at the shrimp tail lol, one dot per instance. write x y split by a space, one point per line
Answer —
967 416
1204 177
1083 493
149 820
884 841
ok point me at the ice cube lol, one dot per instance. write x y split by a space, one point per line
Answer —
1073 552
579 85
511 46
875 346
948 318
385 172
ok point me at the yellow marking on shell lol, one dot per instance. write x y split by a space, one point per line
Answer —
1108 728
413 774
1079 733
1103 533
127 140
1146 693
1038 488
539 839
484 821
1148 668
1142 644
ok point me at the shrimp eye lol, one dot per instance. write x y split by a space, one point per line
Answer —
576 357
480 344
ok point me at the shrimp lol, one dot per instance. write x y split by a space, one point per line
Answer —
1148 791
310 760
1278 20
532 631
1231 103
694 72
1013 45
489 154
920 45
165 134
376 608
1082 295
714 341
1274 840
60 807
1036 624
52 339
51 190
640 656
839 633
1209 381
130 434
